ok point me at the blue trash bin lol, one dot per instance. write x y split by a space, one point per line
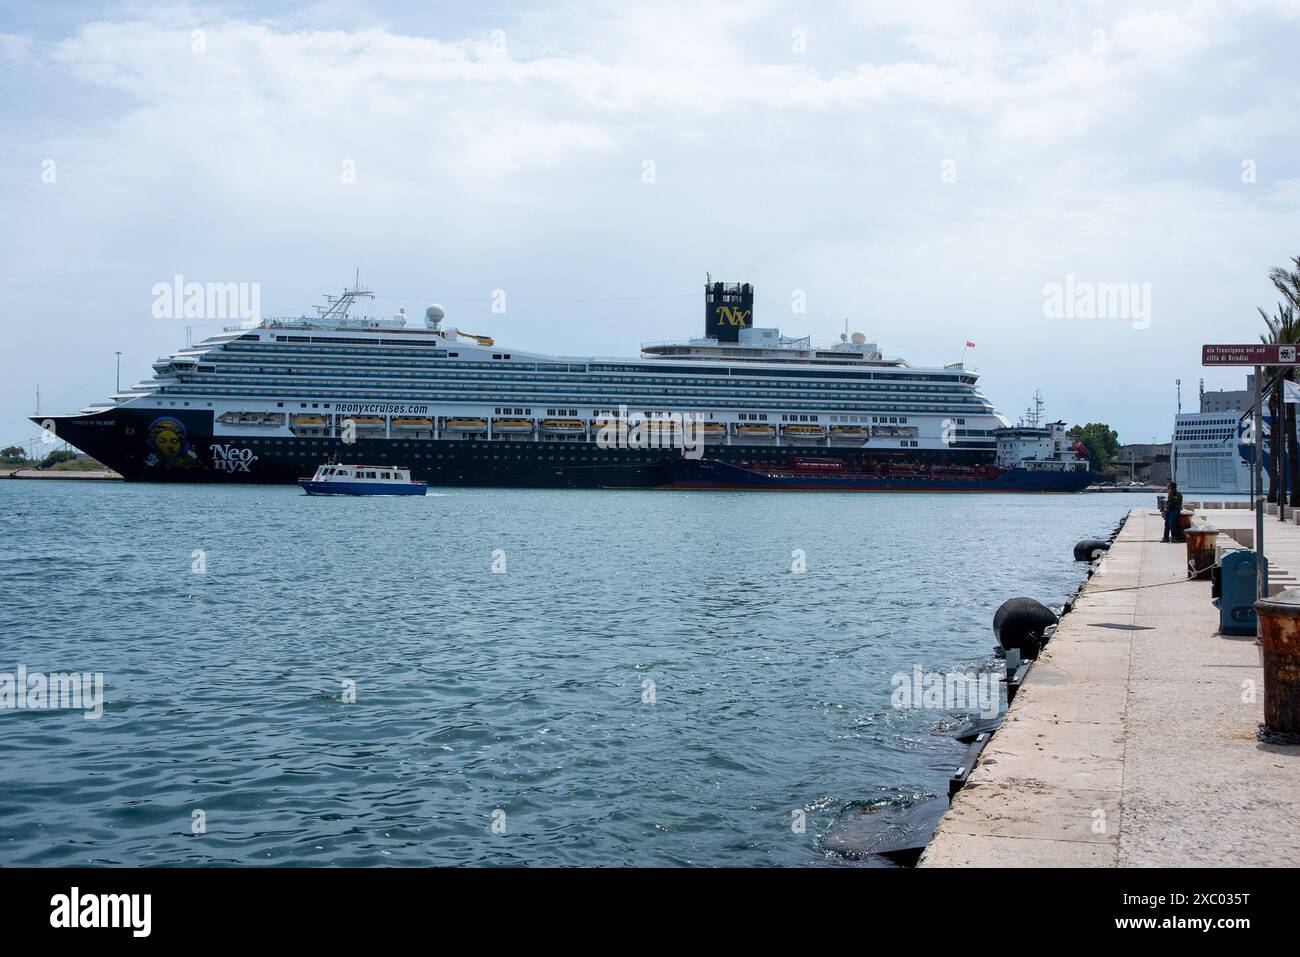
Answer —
1233 588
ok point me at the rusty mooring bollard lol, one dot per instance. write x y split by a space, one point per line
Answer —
1279 633
1183 524
1200 550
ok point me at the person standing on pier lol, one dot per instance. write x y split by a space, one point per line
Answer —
1173 508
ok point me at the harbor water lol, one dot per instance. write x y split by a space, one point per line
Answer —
495 677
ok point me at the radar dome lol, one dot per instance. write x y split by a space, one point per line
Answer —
434 315
859 338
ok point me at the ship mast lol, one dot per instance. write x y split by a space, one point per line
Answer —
1034 414
338 306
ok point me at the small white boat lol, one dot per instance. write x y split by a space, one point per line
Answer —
331 479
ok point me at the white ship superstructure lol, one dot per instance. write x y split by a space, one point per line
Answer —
1211 449
1208 452
415 381
1043 448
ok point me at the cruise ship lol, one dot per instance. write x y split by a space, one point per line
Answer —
268 403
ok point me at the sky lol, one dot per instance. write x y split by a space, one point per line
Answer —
561 176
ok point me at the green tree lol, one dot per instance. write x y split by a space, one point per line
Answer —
1284 329
54 458
1101 441
14 453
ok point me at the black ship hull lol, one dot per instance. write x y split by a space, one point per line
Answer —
179 446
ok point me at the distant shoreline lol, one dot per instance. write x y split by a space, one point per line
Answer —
104 475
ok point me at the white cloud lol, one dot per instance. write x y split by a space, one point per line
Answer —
16 48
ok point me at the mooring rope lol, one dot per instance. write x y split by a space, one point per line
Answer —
1191 577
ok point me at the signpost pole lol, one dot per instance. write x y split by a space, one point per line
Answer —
1261 572
1261 355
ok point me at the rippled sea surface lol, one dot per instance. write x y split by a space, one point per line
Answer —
646 680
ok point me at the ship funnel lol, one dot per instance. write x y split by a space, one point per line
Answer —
434 315
728 308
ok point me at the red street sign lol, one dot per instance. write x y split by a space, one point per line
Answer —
1250 354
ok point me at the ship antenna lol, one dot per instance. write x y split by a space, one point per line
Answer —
1035 414
337 306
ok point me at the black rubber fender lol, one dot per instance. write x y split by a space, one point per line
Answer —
1019 624
1090 549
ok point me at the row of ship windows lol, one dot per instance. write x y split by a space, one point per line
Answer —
886 419
343 387
240 376
353 358
519 457
913 408
460 457
743 416
276 354
481 445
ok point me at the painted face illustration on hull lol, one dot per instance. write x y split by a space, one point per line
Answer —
169 445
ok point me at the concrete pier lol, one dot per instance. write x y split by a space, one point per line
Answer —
1132 741
100 476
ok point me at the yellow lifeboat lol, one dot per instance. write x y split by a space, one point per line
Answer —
512 425
367 421
466 425
562 426
712 428
853 430
316 420
412 422
801 431
755 429
259 419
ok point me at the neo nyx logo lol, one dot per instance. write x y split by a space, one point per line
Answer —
227 458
